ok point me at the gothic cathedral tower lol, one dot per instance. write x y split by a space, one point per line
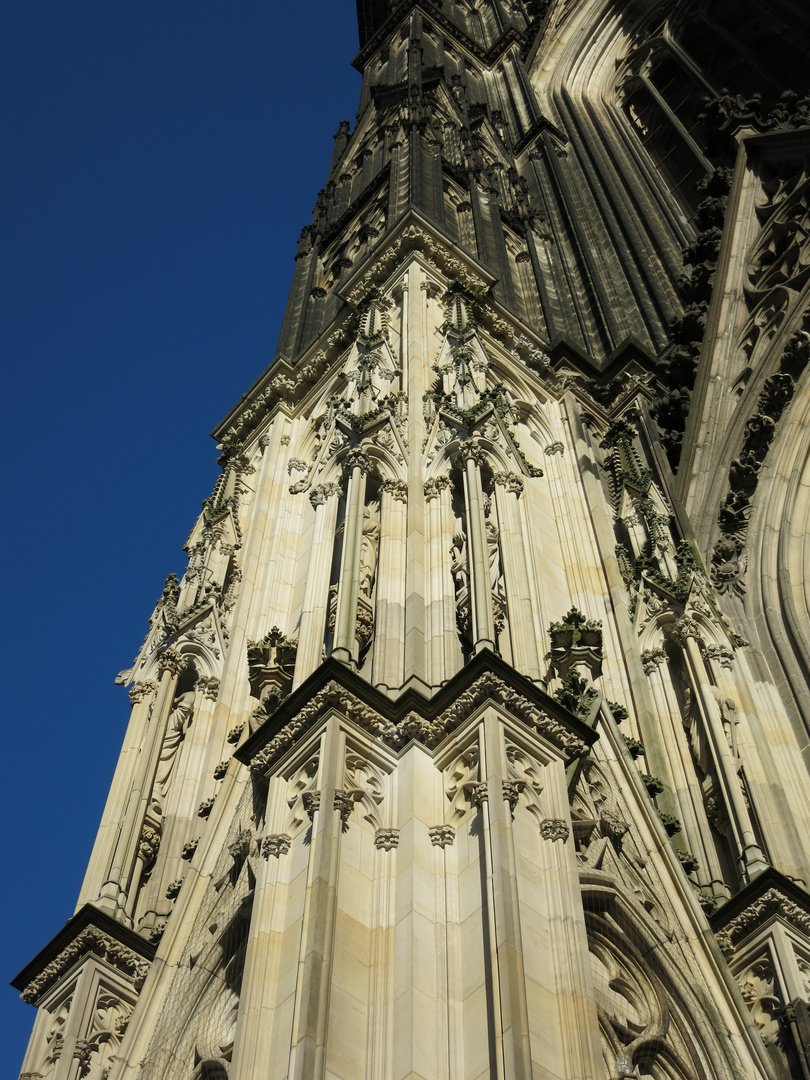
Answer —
473 742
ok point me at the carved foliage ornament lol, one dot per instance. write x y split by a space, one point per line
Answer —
728 562
414 726
98 943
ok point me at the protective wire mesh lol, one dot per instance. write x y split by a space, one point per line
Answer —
194 1037
657 1017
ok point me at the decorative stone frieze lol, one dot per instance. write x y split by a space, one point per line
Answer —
553 449
93 941
414 726
772 903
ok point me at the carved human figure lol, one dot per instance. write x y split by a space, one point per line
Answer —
369 548
179 721
460 569
729 718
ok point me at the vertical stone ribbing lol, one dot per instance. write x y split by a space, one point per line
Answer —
389 624
316 593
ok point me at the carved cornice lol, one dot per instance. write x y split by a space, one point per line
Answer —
770 895
414 726
90 931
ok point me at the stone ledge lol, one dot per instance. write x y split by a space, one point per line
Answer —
88 931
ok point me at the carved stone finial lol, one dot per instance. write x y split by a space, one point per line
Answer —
576 642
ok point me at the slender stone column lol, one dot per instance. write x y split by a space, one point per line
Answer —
358 465
181 821
324 498
688 799
541 980
752 861
308 1036
389 628
127 864
99 887
508 489
480 587
444 652
416 368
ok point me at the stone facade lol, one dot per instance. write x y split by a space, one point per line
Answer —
474 740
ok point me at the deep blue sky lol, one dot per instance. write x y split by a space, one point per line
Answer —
159 161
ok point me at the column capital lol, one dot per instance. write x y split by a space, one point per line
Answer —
358 459
141 690
398 489
171 660
509 480
322 492
434 487
470 450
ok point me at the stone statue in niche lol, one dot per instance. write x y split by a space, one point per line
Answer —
179 721
369 548
460 569
493 535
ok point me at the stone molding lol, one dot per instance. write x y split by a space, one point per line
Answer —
89 932
416 725
772 903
